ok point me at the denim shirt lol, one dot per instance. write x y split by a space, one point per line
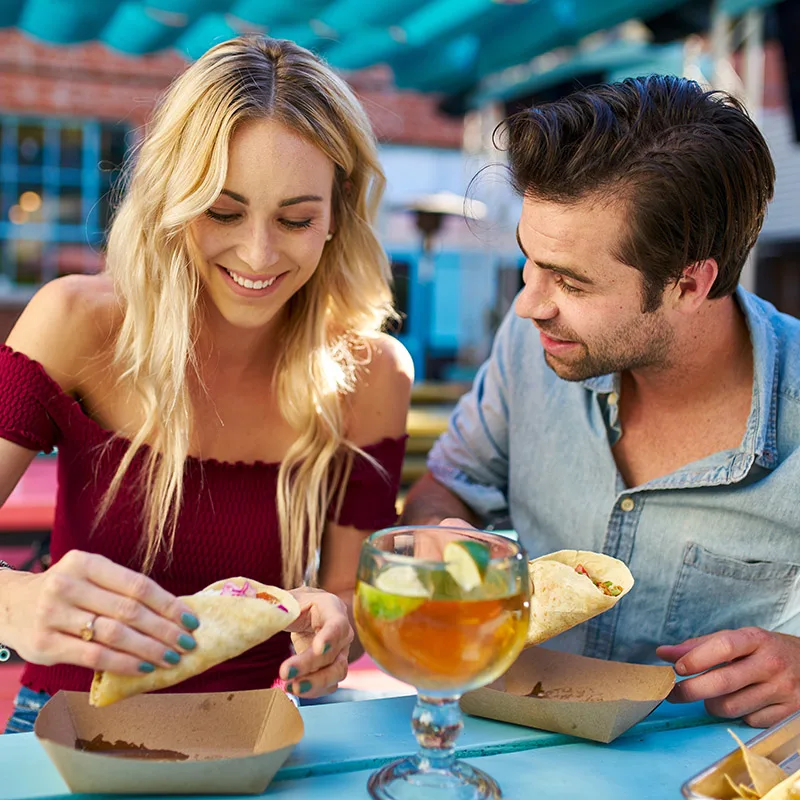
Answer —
713 545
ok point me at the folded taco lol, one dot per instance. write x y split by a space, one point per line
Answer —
571 586
235 615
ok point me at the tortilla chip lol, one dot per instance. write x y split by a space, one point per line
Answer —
561 598
788 789
741 790
228 627
764 772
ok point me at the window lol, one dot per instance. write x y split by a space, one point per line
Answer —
56 176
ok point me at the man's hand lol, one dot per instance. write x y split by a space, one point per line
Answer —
749 673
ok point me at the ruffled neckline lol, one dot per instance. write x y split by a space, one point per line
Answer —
73 406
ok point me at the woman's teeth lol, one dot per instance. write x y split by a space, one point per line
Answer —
248 284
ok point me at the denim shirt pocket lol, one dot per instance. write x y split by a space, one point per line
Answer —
715 592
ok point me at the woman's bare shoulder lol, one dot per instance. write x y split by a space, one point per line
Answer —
379 405
69 324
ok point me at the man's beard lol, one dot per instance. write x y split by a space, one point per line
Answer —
638 344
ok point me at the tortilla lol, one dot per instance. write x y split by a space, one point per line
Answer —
763 771
229 625
740 790
562 598
787 789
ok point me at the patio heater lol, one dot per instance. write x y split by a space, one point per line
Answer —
429 212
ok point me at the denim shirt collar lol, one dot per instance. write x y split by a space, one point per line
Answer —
759 445
761 438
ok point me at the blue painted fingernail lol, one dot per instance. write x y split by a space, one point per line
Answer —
171 657
304 686
190 621
326 648
292 673
187 642
146 666
288 687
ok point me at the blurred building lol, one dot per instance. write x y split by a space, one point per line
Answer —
68 115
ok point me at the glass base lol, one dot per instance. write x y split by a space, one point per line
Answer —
405 780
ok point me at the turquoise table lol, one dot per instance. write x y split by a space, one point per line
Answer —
344 742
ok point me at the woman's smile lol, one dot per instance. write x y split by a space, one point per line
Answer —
252 285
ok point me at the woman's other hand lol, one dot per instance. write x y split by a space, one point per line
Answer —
321 636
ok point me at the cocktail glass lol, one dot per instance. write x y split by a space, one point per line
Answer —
445 609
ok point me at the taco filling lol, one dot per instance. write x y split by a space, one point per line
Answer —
606 587
230 589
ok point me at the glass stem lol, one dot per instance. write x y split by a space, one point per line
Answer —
436 723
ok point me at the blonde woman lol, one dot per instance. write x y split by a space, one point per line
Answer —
222 397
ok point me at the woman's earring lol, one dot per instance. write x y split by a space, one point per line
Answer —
329 237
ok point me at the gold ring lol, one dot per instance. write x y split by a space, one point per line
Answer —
87 631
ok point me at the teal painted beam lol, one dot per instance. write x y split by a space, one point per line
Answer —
436 19
365 48
345 16
10 12
556 23
209 30
622 57
192 8
434 23
449 68
737 7
277 12
135 31
66 21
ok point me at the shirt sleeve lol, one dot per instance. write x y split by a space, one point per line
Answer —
369 501
25 393
471 457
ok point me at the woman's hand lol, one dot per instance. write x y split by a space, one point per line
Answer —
88 611
321 636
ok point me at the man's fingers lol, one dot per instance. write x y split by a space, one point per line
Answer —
716 683
720 648
672 652
742 703
768 716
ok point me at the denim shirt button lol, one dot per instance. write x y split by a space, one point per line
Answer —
627 504
612 399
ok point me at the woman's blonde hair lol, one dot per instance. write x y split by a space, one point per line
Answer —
179 171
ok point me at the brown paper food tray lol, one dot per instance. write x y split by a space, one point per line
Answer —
779 743
235 741
585 697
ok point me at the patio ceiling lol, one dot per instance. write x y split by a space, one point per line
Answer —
450 46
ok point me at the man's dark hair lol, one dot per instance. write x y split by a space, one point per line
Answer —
692 166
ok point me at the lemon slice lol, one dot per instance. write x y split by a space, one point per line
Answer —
467 561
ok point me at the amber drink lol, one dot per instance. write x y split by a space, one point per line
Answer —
446 610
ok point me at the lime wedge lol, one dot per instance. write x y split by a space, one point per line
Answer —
403 580
398 591
387 607
467 561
